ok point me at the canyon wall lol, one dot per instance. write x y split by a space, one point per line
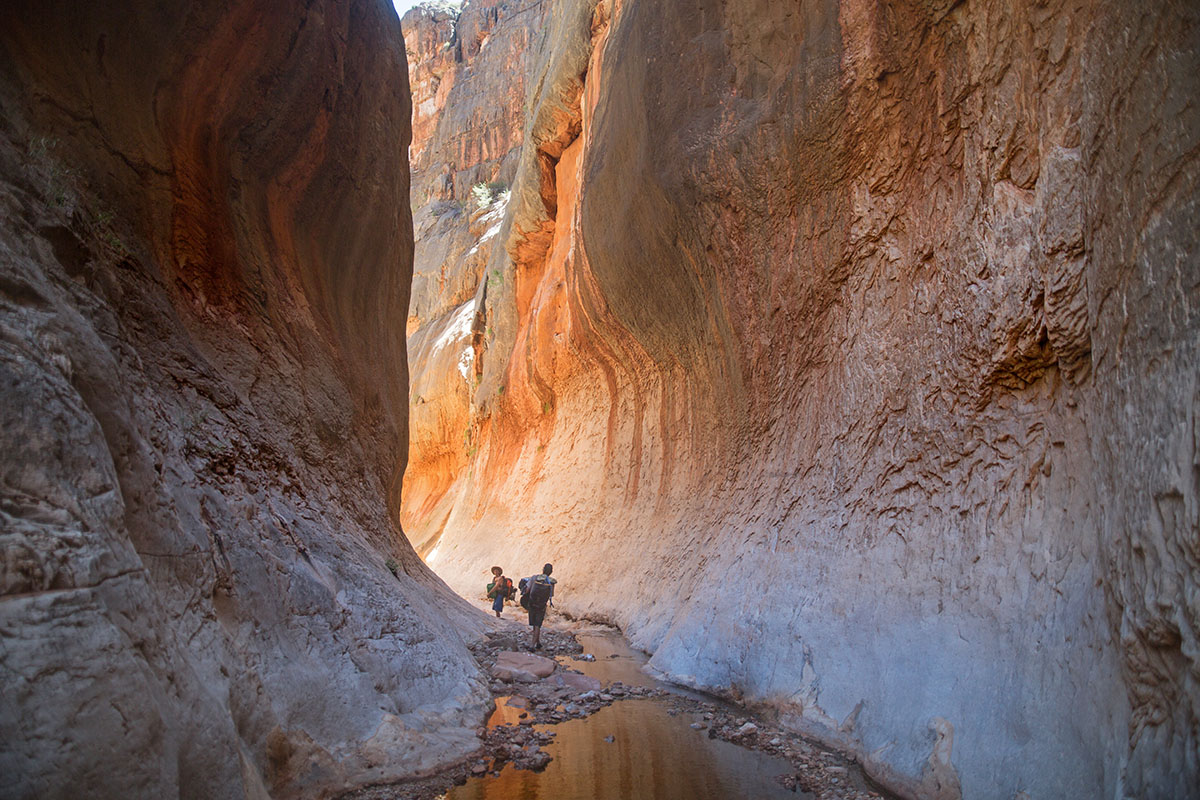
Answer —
468 77
205 256
845 355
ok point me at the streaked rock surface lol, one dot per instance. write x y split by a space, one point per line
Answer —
845 355
205 254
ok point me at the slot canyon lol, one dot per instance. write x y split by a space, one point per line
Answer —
845 356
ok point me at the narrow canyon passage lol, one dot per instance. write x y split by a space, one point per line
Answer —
841 355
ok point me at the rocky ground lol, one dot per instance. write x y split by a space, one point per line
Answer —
542 689
823 774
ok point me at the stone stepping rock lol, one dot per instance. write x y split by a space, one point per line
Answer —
524 667
573 681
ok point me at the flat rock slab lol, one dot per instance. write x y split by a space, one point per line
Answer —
523 667
573 681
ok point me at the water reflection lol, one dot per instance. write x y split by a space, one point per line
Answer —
632 750
652 756
615 660
509 711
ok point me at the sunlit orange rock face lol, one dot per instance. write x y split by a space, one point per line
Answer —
468 73
205 260
843 354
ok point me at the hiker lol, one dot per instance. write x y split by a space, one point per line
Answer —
540 594
499 590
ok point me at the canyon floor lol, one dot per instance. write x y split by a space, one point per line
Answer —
594 723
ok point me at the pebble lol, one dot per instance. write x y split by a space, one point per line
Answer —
698 726
747 728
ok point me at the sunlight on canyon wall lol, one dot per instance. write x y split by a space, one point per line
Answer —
843 354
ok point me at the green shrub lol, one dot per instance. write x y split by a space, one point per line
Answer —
484 194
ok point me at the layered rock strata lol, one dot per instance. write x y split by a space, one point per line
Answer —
205 252
469 65
845 355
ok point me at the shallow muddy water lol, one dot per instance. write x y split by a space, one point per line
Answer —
652 755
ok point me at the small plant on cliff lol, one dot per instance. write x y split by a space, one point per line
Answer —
102 229
392 566
40 147
484 194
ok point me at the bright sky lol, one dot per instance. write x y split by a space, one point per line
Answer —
404 5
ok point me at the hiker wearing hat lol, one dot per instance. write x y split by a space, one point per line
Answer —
499 590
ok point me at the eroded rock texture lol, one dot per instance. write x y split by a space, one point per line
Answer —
468 76
845 354
205 253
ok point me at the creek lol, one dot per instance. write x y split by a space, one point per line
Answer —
635 749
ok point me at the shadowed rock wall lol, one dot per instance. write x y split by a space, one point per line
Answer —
205 254
845 355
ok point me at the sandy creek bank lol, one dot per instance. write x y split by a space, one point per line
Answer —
600 728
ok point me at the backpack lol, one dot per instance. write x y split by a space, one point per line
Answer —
539 592
508 589
524 593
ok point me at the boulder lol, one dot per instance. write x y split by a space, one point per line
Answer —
521 667
573 681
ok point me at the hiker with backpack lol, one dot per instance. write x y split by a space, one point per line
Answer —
538 592
499 590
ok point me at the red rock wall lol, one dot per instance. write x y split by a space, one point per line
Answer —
843 354
205 253
469 69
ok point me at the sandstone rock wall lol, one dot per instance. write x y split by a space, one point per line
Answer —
469 68
205 253
845 355
468 83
